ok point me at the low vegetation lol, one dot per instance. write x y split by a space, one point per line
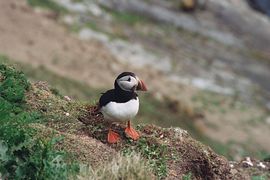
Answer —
21 154
154 153
130 166
44 135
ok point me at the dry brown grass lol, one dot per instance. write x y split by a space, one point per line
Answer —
131 167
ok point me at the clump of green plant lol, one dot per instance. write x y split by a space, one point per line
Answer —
47 4
13 85
23 156
131 167
187 176
155 154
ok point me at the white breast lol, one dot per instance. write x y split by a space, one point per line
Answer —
121 111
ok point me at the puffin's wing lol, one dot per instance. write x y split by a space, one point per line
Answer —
106 98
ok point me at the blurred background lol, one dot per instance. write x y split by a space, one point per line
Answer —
206 63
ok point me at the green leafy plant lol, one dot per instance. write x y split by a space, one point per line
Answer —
22 154
13 85
187 176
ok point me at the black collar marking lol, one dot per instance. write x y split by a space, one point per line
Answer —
116 95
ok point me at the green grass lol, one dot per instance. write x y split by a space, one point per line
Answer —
47 4
155 154
187 176
22 155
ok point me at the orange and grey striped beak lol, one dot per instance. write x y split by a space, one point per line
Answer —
141 86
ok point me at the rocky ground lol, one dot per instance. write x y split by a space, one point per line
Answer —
220 82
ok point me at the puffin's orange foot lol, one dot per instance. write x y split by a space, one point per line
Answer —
113 137
130 132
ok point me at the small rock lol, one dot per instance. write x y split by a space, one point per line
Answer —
95 9
261 165
67 114
180 133
234 171
69 19
89 34
67 98
247 162
173 173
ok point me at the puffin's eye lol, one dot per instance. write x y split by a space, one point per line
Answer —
129 79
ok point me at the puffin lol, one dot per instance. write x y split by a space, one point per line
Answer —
121 104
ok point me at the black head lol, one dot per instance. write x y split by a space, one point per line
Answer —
128 81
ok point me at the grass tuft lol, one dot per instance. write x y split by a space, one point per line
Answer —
187 176
153 152
130 167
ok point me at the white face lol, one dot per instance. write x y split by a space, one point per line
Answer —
127 83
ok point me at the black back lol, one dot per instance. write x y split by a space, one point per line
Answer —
117 94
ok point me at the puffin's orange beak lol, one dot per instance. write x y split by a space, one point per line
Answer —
141 86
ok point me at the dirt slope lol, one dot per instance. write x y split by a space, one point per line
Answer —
174 152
